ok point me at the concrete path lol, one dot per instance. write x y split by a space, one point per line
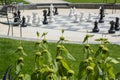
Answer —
46 1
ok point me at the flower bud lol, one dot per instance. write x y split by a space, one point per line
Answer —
70 72
21 76
38 54
44 40
105 50
87 46
90 59
44 51
62 38
89 68
64 78
101 46
50 71
20 59
37 42
58 58
20 48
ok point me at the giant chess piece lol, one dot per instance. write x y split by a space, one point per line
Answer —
117 28
71 12
19 14
51 17
102 15
16 19
29 20
39 23
48 12
112 27
56 11
95 29
34 21
45 17
76 18
23 24
89 18
74 10
81 16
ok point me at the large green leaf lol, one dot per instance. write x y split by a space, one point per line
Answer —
112 60
65 65
66 52
87 37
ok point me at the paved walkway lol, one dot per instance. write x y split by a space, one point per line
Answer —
46 1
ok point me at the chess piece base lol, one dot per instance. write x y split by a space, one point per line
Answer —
95 30
45 22
111 31
101 21
117 28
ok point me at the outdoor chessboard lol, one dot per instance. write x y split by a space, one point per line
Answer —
67 23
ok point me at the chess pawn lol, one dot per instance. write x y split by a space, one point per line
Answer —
117 28
34 21
112 27
81 16
23 24
76 18
45 17
39 23
89 18
56 11
28 20
95 29
71 12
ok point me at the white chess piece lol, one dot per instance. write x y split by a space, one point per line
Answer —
39 23
74 11
76 18
89 18
71 12
51 18
81 16
34 20
29 20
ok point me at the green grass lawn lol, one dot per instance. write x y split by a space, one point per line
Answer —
18 1
92 1
8 55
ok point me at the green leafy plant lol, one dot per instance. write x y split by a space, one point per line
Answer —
97 65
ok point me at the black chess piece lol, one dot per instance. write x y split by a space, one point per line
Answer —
95 29
112 27
48 12
45 17
117 28
56 11
23 24
102 15
18 13
16 19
